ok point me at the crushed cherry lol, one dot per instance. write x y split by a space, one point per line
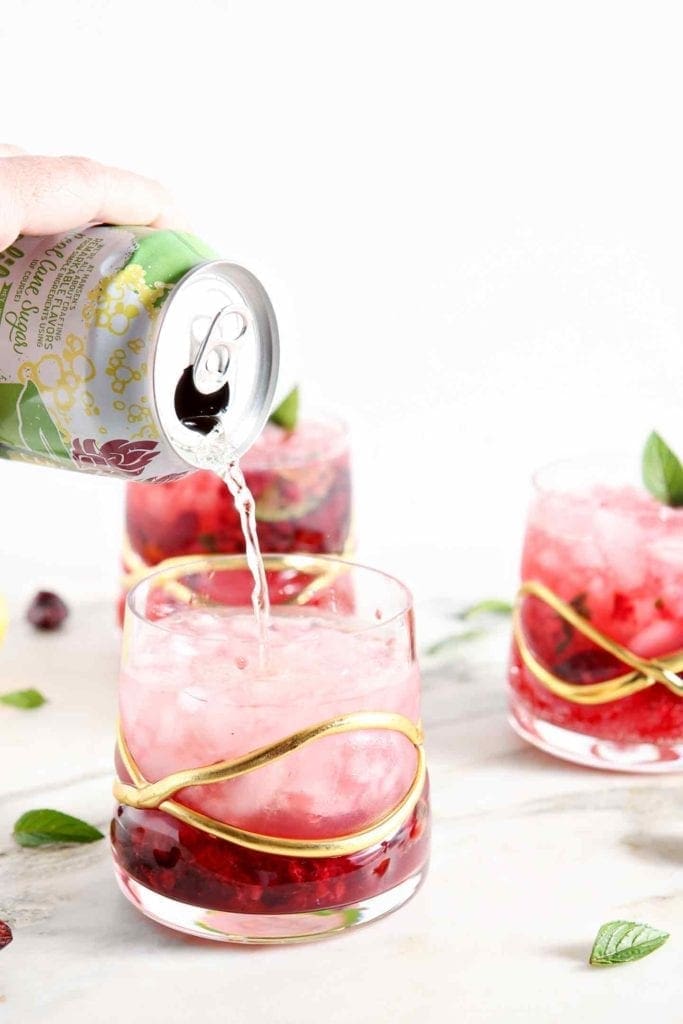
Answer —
185 864
197 515
588 666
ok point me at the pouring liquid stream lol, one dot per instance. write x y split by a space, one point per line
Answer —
218 456
246 509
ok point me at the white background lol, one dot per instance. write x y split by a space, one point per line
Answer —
469 215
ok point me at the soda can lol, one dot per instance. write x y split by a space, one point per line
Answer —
122 347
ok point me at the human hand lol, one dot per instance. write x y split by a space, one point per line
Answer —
41 195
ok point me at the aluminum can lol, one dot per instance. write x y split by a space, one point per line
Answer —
122 347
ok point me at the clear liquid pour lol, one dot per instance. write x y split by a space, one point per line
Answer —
217 455
246 508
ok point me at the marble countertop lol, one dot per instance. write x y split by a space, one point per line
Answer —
529 857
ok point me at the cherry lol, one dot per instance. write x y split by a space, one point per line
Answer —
47 611
591 666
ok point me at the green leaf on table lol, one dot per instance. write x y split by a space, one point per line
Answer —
490 606
22 698
662 471
287 412
43 827
617 942
449 644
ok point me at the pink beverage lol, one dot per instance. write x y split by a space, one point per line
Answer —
614 557
301 483
195 692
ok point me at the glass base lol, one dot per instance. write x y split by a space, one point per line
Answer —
271 929
593 752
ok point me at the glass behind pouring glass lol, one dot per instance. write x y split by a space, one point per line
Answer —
301 482
341 822
595 664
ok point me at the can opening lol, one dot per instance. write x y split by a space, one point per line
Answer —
195 410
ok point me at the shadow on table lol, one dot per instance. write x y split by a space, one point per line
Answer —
131 926
575 952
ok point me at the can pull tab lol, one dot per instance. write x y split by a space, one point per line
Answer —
212 362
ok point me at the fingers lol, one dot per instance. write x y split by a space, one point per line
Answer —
172 217
43 195
129 198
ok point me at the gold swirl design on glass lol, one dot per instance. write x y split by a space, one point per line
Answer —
142 794
645 672
323 572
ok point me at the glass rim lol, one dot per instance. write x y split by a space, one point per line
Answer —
340 444
621 463
184 564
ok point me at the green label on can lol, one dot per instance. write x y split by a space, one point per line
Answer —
4 292
77 316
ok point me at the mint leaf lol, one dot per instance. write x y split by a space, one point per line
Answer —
617 942
40 828
449 644
287 412
22 698
662 471
491 606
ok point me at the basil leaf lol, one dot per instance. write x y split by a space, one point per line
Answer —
662 471
40 828
617 942
449 644
287 412
491 606
22 698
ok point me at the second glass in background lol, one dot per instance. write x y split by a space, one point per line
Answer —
598 639
301 482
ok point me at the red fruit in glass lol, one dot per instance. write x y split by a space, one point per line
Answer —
182 863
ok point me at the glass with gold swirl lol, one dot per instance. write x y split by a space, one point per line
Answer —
277 792
597 656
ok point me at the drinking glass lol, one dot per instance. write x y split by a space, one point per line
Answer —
301 482
597 654
277 792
